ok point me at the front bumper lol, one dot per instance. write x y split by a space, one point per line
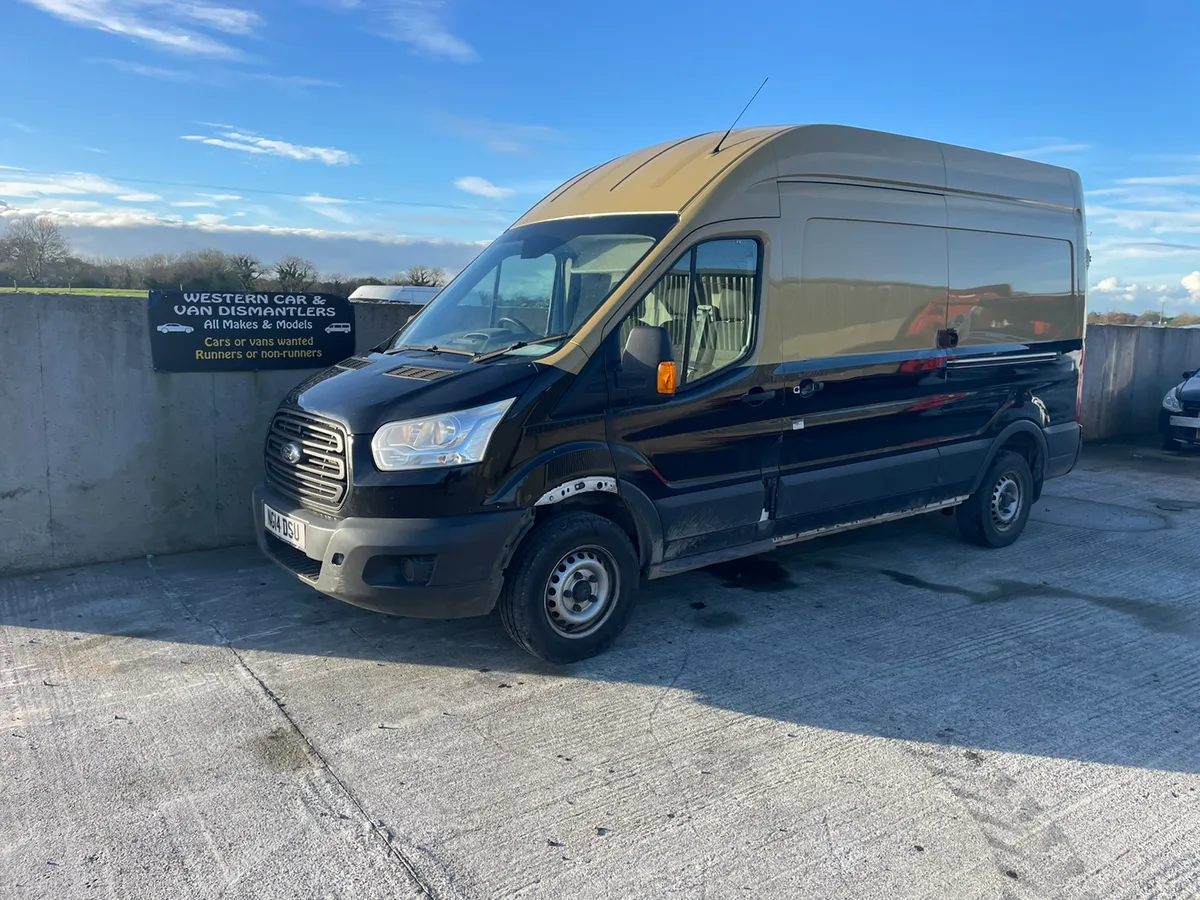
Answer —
357 560
1179 427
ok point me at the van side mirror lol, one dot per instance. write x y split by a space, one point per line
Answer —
648 365
1187 375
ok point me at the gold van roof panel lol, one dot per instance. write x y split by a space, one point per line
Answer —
669 177
662 178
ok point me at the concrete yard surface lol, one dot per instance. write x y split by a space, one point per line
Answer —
890 713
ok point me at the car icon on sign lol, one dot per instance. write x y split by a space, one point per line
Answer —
338 328
176 328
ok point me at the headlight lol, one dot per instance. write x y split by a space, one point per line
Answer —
450 439
1171 401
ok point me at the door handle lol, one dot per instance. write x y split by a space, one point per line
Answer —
808 387
756 396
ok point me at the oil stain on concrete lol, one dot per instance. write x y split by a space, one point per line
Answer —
1149 614
754 573
280 750
1091 515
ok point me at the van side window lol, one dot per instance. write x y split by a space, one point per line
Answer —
1011 288
666 304
707 304
867 287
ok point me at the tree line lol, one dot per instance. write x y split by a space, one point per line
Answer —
1149 317
34 253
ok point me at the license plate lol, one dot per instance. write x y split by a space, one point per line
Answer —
288 530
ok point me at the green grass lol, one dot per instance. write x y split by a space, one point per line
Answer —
83 292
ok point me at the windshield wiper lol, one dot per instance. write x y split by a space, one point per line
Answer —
432 348
517 345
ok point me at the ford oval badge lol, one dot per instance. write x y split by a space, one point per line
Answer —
290 452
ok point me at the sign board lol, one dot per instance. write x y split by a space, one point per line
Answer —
202 331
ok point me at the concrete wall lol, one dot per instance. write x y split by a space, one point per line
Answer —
105 459
1126 372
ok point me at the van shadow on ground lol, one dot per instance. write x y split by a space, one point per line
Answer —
1081 642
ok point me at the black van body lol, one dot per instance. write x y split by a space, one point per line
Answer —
599 470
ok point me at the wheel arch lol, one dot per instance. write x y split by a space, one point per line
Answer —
1025 438
628 508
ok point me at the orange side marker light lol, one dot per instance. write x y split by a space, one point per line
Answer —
666 378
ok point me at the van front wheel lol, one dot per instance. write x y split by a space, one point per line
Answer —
995 515
572 588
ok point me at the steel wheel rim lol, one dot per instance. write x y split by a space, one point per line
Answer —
581 592
1006 501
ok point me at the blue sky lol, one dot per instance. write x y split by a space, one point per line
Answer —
372 134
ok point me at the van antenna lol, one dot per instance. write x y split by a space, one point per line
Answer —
717 149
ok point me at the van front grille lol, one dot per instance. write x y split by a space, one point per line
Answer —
306 459
1191 409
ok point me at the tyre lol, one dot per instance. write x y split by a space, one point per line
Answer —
995 515
571 589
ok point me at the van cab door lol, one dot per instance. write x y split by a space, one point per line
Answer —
699 455
867 272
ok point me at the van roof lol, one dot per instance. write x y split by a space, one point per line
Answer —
672 176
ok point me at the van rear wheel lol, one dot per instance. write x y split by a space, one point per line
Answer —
572 588
995 515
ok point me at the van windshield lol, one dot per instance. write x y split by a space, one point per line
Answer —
535 286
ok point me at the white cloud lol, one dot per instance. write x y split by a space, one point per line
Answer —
139 197
248 142
1172 180
1191 284
216 77
121 231
209 201
72 205
164 74
208 219
1185 220
500 137
1049 150
19 126
220 18
483 188
291 81
1110 293
1109 249
182 27
329 207
122 217
69 183
422 24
